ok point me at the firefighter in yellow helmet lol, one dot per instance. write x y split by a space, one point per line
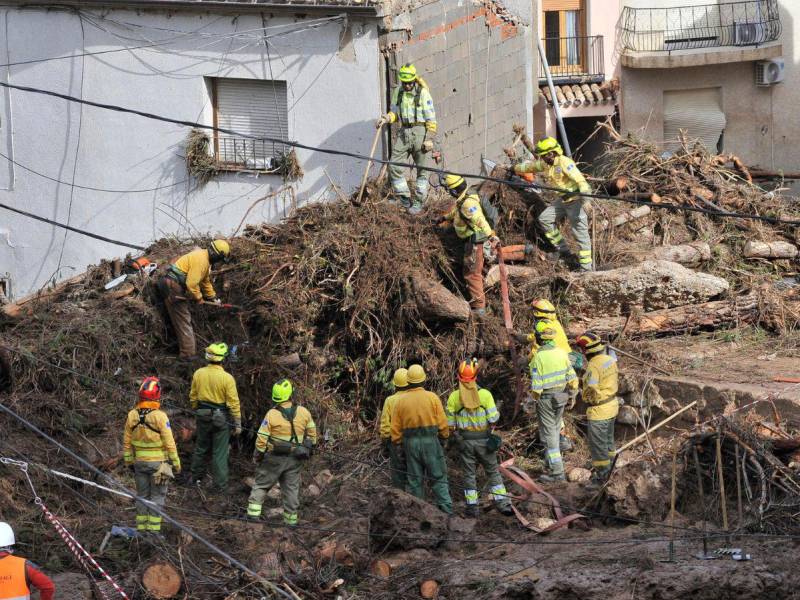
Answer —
187 280
599 391
553 384
412 109
472 226
215 400
149 449
471 415
561 172
397 465
286 439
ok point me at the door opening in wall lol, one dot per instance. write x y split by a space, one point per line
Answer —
588 143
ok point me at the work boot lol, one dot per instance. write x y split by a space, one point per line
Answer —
586 267
415 208
565 444
505 510
405 201
471 512
552 478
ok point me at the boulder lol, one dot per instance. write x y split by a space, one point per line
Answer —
650 285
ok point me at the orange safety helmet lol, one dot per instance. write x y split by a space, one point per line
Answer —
589 343
468 370
150 389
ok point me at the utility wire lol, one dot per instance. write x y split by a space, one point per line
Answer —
148 115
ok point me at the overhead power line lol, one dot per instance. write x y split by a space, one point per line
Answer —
361 157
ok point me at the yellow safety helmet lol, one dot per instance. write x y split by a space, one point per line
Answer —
400 379
590 343
452 181
543 309
216 353
544 331
416 374
407 73
547 145
282 391
220 250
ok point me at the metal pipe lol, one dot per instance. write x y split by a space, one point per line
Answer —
556 108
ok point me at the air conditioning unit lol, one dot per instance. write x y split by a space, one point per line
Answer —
770 72
746 34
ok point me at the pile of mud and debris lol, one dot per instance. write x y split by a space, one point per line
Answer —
340 295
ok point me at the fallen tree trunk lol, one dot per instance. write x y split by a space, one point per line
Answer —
685 254
755 249
436 302
621 219
708 315
530 275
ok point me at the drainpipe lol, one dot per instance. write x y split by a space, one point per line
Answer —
556 108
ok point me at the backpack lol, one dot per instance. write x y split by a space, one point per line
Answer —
487 208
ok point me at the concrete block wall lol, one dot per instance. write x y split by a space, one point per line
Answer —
477 59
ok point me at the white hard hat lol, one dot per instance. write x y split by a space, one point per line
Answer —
6 535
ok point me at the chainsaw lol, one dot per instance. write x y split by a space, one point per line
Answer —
513 179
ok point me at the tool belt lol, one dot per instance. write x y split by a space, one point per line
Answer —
432 431
216 414
606 401
560 397
473 435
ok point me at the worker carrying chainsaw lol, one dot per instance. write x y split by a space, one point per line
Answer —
473 225
599 391
397 467
418 423
286 439
471 415
412 109
187 280
215 401
149 450
18 575
561 172
554 385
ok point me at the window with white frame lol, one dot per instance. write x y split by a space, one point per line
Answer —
250 107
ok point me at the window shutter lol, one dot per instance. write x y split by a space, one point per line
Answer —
251 107
699 112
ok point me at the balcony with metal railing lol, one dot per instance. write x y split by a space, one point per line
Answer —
574 59
736 31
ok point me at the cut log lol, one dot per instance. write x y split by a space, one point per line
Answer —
651 285
685 254
380 568
755 249
161 580
429 589
16 309
708 315
530 275
126 289
436 302
621 219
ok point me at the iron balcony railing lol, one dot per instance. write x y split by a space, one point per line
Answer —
245 153
574 59
748 23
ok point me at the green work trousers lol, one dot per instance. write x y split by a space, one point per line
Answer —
425 460
277 469
407 148
146 518
601 446
397 467
212 439
575 213
474 453
549 411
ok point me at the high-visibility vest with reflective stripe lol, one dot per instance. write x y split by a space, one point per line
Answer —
12 579
551 370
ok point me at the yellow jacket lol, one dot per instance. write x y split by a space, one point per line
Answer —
477 419
468 218
386 414
418 408
563 174
276 427
561 339
213 385
149 439
197 268
600 384
551 371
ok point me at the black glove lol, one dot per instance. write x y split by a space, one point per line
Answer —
131 468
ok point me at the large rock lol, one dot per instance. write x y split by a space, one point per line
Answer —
650 285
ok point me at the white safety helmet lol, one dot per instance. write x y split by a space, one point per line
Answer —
6 535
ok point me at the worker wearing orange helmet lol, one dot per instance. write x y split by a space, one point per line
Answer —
149 450
599 391
471 415
187 280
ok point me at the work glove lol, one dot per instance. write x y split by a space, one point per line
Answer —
176 467
257 456
163 474
215 301
427 146
573 398
494 240
237 429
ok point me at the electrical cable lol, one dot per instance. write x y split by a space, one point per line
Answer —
151 505
152 116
